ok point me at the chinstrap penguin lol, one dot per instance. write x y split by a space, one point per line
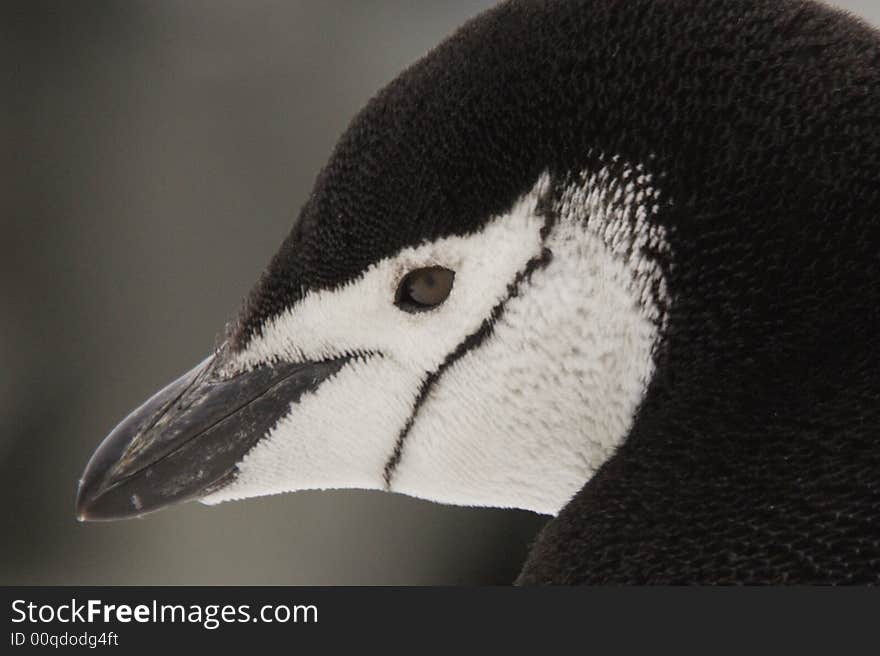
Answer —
616 261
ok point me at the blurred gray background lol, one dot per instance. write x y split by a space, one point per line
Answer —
155 154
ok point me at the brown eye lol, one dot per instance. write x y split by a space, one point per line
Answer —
423 289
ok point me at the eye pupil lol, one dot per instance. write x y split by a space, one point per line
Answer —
423 289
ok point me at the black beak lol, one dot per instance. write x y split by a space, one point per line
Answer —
186 440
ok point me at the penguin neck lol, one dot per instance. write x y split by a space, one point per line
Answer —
746 466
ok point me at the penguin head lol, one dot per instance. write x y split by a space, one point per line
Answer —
496 361
477 294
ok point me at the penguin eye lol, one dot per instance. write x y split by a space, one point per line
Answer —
423 289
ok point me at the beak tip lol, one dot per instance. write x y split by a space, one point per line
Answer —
89 490
81 507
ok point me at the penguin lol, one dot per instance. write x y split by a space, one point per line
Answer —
614 261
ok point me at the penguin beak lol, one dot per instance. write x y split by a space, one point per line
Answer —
186 440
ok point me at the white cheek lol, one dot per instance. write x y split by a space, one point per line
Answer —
526 419
529 416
